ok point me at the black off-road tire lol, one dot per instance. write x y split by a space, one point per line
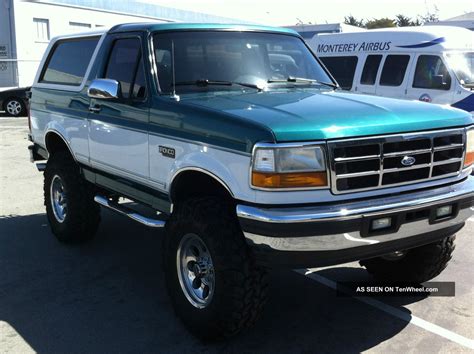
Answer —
418 265
240 285
83 214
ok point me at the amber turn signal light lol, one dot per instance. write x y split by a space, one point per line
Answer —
469 159
289 180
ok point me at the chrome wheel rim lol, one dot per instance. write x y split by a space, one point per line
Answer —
14 108
195 270
58 199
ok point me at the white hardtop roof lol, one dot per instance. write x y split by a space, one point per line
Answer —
416 38
96 32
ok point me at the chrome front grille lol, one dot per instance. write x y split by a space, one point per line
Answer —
392 160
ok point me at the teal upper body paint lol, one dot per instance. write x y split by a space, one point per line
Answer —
297 114
237 119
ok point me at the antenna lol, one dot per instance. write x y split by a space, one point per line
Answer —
174 96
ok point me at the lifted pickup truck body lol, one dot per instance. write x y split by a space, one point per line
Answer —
305 174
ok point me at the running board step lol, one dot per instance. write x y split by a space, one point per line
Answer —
128 212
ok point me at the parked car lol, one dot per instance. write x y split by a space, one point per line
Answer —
431 64
15 101
252 157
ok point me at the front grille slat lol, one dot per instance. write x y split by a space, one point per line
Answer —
409 152
415 167
382 162
359 174
444 162
447 147
357 158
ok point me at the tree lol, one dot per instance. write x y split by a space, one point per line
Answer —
399 21
380 23
351 20
403 21
417 22
430 16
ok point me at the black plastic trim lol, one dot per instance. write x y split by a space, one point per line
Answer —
37 153
154 198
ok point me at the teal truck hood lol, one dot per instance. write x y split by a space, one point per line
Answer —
313 114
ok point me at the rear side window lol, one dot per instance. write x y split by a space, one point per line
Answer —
371 67
394 70
342 68
125 65
431 73
68 61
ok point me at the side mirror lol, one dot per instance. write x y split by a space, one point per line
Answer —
105 89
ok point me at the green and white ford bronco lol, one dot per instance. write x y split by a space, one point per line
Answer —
249 156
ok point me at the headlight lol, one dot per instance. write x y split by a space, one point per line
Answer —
469 158
289 167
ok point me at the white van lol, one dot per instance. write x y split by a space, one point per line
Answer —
431 64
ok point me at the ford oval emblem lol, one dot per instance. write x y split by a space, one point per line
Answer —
408 161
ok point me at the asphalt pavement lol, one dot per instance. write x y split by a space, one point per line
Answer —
109 295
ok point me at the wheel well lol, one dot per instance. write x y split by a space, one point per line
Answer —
196 184
54 143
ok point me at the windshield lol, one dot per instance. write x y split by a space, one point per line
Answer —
463 66
225 60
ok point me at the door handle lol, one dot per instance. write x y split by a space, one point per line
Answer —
95 109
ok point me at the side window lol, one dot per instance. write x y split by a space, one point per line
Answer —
139 86
431 73
342 68
371 67
125 65
68 61
394 69
163 64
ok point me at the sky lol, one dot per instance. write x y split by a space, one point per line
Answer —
290 12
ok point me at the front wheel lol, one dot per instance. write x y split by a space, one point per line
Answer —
72 213
418 265
216 288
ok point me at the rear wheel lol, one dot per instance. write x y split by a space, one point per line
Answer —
14 107
69 199
418 265
216 288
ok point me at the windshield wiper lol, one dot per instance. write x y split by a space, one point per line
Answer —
206 82
302 80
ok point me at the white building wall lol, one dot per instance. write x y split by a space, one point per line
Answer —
8 68
61 20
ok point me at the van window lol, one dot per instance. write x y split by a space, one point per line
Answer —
462 65
431 73
371 67
122 66
68 61
394 69
342 68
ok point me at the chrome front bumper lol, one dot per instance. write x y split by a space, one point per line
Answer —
333 233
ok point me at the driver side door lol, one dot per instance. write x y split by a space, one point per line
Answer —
118 130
